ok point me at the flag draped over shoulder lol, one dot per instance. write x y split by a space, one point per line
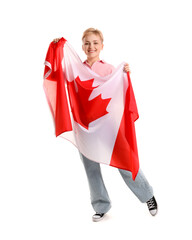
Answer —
95 113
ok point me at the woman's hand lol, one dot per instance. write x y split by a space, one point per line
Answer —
56 40
126 68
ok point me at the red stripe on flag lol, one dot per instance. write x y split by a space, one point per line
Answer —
125 153
62 115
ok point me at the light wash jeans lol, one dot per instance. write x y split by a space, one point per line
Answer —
99 197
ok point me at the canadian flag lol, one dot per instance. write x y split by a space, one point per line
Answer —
95 113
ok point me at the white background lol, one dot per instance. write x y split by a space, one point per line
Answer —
43 187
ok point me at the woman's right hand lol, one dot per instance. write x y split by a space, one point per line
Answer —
56 40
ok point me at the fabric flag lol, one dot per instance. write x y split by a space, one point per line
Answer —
95 113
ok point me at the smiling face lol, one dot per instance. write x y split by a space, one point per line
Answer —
92 46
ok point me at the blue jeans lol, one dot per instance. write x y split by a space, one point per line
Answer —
99 197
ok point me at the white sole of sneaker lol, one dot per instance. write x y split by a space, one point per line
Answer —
97 219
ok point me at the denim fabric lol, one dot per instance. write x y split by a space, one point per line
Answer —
99 197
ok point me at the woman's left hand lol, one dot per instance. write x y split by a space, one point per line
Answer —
126 68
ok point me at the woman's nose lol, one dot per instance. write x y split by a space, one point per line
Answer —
90 45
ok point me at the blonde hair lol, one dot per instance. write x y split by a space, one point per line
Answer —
93 31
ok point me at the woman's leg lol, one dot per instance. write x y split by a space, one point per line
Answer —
140 187
99 196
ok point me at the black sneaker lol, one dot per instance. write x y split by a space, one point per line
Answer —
98 217
152 206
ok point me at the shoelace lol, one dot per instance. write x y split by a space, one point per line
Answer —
151 203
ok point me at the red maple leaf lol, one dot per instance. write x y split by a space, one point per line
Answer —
84 110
